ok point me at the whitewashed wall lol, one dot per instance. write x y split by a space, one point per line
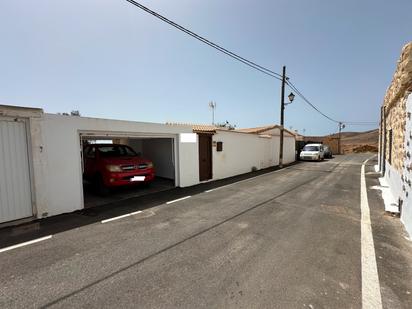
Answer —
401 189
58 170
289 149
188 152
61 151
406 216
136 144
160 152
243 152
56 158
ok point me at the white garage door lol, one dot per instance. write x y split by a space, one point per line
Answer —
15 192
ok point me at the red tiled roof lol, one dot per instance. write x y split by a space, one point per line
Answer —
258 130
206 128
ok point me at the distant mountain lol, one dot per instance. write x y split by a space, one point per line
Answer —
371 136
366 141
360 141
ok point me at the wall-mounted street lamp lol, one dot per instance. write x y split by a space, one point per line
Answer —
291 97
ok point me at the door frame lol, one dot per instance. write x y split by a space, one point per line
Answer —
27 131
210 137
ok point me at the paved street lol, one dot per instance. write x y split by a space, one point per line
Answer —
286 239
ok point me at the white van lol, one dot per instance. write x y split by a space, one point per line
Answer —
312 152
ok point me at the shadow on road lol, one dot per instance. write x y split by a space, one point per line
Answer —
42 227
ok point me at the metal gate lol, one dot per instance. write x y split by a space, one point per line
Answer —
15 188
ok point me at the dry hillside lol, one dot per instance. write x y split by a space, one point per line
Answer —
360 141
351 141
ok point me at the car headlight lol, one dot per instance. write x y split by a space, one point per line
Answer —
150 165
113 168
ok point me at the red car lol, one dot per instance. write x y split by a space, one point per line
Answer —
113 165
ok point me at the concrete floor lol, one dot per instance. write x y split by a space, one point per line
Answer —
285 239
91 199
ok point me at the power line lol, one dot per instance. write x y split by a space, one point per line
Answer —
210 43
362 123
235 56
293 87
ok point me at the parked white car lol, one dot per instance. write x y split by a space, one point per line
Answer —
312 152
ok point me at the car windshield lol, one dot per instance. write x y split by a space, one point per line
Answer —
111 151
311 148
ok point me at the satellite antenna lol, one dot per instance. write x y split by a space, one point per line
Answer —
212 105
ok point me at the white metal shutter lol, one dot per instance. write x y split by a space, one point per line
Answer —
15 190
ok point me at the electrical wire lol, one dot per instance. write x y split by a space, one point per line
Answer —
245 61
210 43
293 87
362 123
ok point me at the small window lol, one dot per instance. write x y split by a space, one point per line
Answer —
219 146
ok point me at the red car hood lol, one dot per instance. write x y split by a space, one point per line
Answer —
125 160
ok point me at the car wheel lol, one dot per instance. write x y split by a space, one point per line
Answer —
101 188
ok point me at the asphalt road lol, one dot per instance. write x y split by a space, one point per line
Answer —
286 239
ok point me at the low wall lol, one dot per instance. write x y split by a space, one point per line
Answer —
400 182
406 183
244 152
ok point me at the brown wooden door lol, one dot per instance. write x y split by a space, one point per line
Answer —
205 157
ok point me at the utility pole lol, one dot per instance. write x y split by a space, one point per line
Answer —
341 126
282 116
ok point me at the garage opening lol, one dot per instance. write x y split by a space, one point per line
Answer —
118 168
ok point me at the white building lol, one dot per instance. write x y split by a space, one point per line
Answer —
41 163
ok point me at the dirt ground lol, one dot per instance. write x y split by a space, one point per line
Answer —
360 142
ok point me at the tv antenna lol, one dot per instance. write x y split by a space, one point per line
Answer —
212 105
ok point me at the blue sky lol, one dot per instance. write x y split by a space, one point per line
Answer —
109 59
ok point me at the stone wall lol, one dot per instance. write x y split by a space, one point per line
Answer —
395 108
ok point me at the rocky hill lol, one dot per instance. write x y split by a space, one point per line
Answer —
360 141
366 141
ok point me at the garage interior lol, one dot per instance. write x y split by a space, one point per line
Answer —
159 150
